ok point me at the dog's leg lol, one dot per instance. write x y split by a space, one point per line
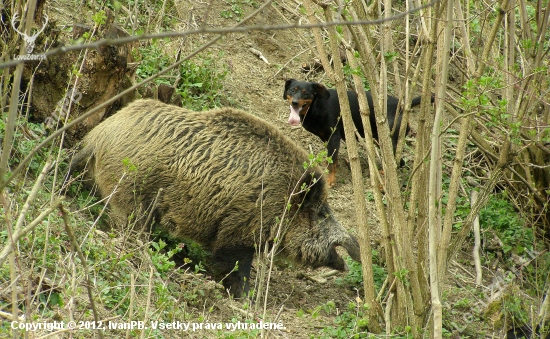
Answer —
331 179
332 147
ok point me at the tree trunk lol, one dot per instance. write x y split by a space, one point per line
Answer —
357 177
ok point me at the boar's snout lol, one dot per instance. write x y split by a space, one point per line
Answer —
352 247
335 261
331 234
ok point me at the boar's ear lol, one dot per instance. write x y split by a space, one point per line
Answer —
321 91
287 85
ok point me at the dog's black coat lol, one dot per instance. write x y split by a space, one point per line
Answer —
524 332
318 109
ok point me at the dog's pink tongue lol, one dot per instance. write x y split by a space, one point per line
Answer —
294 117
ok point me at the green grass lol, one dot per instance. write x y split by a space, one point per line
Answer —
199 82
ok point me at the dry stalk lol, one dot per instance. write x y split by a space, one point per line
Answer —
477 241
76 248
16 236
383 289
14 100
279 231
337 75
435 177
261 256
152 210
13 276
71 305
387 314
59 152
32 196
149 296
132 301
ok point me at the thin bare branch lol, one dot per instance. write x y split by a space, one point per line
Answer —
76 248
37 184
16 236
222 31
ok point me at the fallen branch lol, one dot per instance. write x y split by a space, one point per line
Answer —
316 279
329 273
247 314
9 316
258 54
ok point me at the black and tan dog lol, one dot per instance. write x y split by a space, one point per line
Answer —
318 110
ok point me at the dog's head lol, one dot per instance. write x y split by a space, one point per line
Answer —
300 95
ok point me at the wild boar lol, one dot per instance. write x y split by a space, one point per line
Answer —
228 179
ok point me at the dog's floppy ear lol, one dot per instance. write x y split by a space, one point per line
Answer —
321 91
287 85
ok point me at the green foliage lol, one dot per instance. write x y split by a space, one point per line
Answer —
129 165
27 136
478 96
201 84
355 275
514 309
144 11
162 259
351 323
537 274
317 159
152 60
180 251
369 196
391 56
109 260
50 300
464 304
195 253
99 17
236 10
328 308
402 275
349 72
240 335
354 278
499 215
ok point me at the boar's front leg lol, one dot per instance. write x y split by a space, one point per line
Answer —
223 262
